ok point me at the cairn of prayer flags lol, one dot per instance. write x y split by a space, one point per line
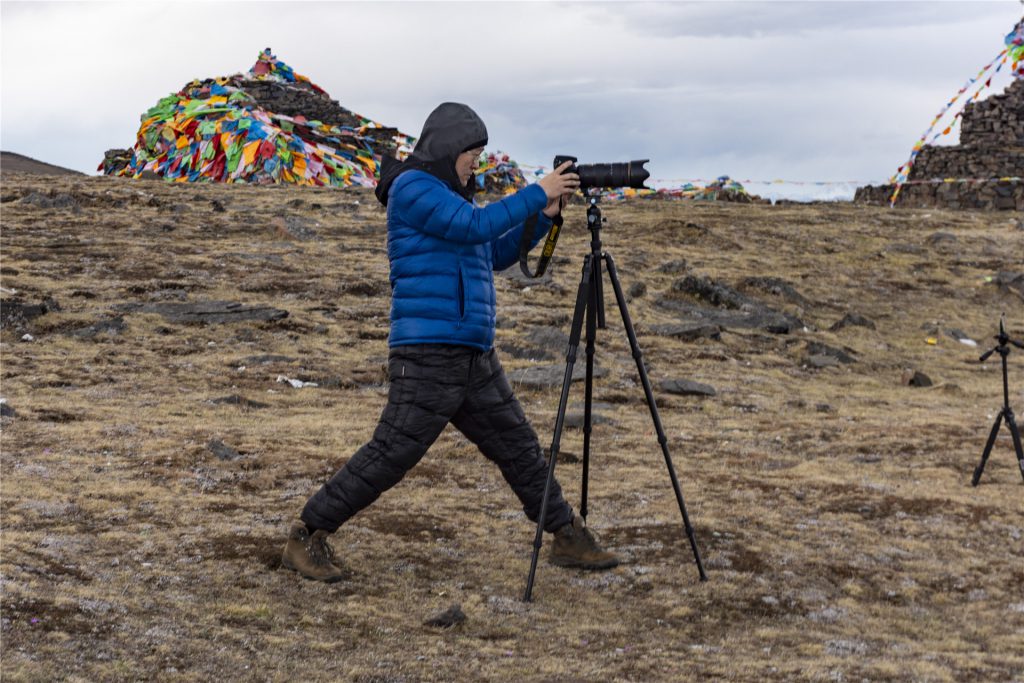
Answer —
497 173
1014 52
227 130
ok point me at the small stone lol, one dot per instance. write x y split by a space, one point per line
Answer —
217 206
819 349
222 451
688 331
941 238
685 387
637 289
821 361
563 456
855 319
961 336
448 618
37 200
674 266
915 378
6 410
236 400
574 419
112 326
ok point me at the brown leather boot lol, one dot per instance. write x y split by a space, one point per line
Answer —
310 554
576 546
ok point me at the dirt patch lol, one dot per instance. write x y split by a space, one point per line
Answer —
23 614
870 505
51 567
410 525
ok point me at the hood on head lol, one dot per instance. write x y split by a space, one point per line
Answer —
450 130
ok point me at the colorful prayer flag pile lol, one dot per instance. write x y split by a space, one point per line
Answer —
213 130
496 172
217 130
723 188
1015 48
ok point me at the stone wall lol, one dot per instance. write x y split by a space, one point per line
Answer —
991 146
997 120
984 196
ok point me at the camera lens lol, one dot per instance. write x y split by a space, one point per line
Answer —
618 174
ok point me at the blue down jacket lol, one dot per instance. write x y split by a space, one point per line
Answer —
443 253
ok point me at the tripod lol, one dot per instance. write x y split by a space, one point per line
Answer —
1006 413
590 299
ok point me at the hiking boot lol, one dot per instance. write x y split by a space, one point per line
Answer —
310 554
576 546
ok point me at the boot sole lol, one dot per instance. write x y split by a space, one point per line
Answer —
330 579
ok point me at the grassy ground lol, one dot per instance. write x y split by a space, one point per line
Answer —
832 506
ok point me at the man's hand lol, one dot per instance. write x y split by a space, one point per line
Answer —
556 205
558 183
558 186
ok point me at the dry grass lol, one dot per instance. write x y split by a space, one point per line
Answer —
833 507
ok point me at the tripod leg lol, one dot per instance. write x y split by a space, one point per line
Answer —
988 450
662 439
1015 433
592 308
570 361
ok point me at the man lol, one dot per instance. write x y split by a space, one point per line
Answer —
442 365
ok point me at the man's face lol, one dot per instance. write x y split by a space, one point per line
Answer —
466 162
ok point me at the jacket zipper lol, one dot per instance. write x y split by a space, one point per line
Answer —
462 296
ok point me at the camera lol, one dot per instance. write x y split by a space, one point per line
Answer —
617 174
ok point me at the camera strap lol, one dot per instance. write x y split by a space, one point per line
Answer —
546 252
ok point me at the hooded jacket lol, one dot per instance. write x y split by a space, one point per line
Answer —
444 250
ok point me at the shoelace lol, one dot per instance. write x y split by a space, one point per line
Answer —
320 551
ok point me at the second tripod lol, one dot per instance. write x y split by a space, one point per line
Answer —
589 300
1006 412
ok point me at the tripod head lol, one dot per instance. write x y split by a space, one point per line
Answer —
1002 348
594 219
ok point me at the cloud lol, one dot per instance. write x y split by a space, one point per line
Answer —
797 90
780 18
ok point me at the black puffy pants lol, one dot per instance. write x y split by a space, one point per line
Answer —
432 385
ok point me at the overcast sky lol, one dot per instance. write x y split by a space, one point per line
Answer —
757 90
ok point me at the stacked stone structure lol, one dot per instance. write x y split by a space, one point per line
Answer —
303 99
991 146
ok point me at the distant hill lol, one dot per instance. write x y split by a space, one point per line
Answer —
19 163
